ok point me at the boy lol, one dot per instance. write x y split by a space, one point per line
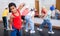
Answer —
4 17
57 13
46 18
30 20
52 8
15 20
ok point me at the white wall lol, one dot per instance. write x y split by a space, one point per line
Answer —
4 4
47 3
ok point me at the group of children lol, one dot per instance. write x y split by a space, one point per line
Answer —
55 12
15 24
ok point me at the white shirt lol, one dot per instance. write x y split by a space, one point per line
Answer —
31 13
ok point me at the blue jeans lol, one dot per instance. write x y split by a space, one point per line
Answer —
16 32
48 23
5 22
57 15
30 21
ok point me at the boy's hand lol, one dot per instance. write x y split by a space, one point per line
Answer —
21 6
11 29
41 16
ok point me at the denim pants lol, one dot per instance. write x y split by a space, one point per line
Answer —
56 15
30 21
5 22
48 23
16 32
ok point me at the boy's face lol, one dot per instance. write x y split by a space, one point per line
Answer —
13 9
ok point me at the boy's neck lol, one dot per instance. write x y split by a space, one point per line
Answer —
15 12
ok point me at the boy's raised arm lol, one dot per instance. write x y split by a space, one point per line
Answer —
21 6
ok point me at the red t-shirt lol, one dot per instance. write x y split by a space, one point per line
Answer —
44 11
17 23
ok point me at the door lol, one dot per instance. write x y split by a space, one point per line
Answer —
58 4
37 7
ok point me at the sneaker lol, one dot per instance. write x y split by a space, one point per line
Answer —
39 29
51 32
7 29
32 31
26 30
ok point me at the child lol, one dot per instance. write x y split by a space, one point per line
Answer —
52 8
30 19
4 17
46 19
15 20
57 13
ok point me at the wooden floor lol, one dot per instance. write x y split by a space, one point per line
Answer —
43 33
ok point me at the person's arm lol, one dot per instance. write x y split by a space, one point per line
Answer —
11 22
33 14
21 6
58 12
45 15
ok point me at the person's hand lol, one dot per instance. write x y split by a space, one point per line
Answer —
11 29
22 20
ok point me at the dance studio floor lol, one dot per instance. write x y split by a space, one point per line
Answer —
37 33
43 33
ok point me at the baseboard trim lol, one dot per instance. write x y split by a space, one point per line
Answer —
37 24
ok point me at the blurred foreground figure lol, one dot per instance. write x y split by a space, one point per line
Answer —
4 17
